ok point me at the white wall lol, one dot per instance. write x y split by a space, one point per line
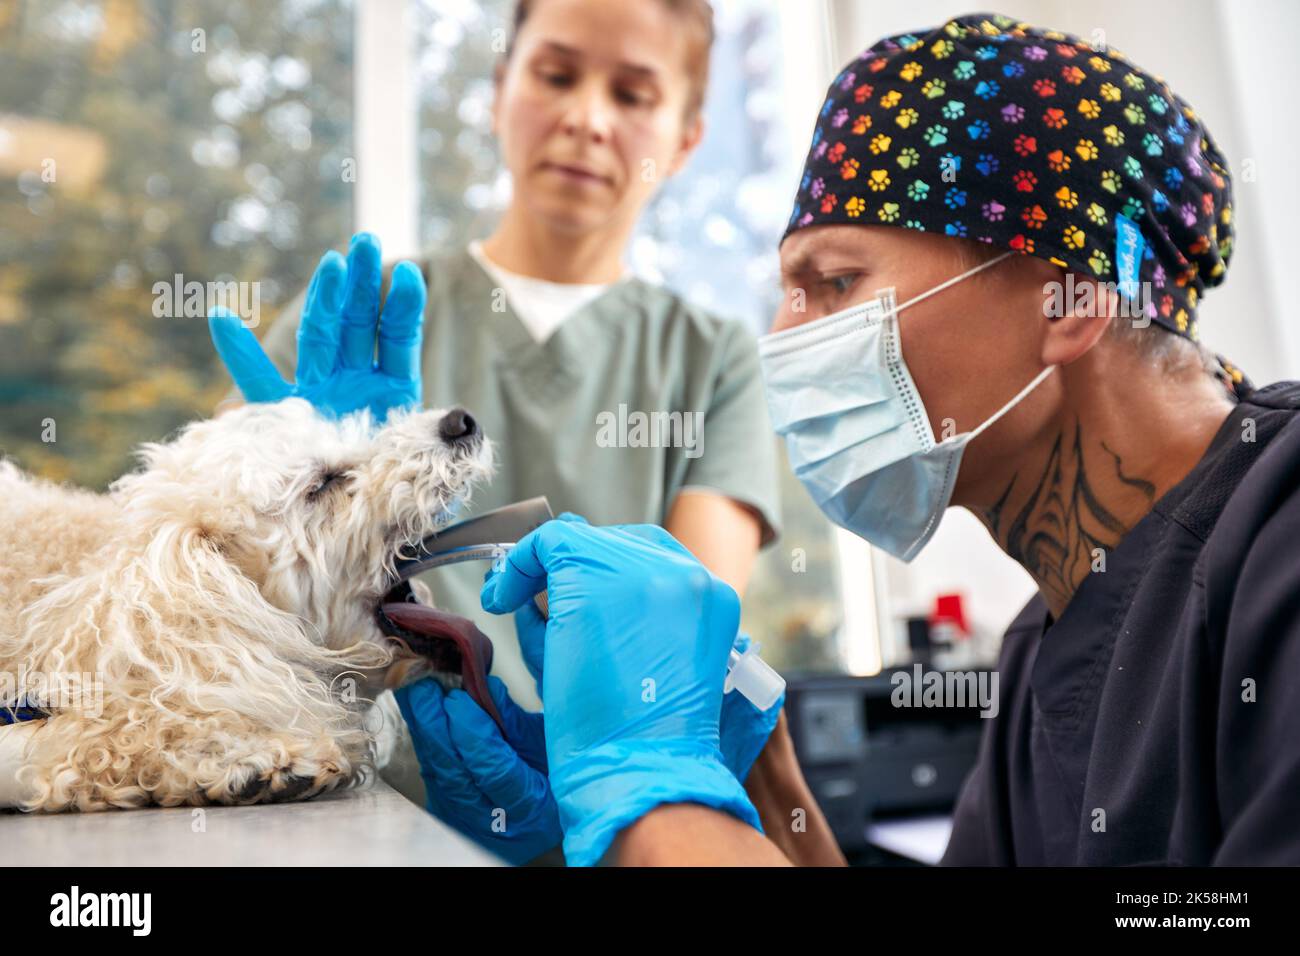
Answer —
1257 41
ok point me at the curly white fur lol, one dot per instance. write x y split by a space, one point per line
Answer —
223 595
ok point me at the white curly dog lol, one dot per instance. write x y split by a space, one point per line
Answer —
214 612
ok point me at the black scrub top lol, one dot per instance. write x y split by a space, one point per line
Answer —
1158 721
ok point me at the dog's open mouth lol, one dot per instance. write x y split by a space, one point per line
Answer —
450 643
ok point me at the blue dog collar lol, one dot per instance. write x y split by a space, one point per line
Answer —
18 714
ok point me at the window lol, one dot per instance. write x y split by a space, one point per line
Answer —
142 141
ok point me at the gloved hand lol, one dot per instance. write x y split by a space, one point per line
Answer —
467 765
336 369
634 659
490 788
743 728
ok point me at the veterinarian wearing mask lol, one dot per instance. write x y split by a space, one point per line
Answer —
1149 713
538 330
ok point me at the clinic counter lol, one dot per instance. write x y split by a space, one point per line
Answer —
373 827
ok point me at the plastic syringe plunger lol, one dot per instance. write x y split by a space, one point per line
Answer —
754 678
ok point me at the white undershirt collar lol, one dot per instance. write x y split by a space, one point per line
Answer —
542 306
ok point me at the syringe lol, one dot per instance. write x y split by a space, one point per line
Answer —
753 677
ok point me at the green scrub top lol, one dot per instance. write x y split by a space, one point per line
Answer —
562 413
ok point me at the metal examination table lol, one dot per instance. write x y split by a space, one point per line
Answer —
374 827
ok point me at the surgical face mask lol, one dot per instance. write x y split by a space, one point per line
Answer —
856 431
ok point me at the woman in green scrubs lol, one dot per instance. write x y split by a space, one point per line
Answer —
562 357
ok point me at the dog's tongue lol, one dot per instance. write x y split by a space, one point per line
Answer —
452 644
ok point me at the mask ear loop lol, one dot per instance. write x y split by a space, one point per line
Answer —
953 281
970 436
974 432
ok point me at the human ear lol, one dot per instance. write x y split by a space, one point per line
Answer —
692 134
1076 312
498 82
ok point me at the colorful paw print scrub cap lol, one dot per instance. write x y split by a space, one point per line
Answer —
990 129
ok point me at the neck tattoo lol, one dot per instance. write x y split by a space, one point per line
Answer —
1069 519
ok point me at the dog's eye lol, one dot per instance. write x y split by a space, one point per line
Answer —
327 480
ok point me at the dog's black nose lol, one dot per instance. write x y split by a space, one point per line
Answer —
457 425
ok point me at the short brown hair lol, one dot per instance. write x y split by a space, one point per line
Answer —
698 17
1171 353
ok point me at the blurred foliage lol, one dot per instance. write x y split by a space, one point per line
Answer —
463 186
223 127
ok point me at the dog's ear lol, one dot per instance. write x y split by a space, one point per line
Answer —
198 671
252 562
206 630
169 622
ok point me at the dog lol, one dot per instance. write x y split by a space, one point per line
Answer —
216 608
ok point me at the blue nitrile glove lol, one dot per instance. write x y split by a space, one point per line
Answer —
634 659
744 729
337 371
464 760
459 744
490 788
